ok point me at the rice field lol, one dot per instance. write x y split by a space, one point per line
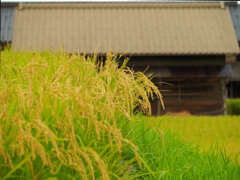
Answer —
62 115
206 131
79 117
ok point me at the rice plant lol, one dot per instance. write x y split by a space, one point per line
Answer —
206 131
77 117
62 115
168 157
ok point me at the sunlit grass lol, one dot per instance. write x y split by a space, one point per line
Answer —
206 131
165 150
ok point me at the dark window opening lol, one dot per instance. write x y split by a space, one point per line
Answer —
234 89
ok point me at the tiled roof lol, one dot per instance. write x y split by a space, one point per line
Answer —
235 14
138 28
7 17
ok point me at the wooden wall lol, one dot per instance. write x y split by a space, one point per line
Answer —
198 96
189 82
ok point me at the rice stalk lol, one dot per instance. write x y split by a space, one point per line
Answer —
101 165
61 112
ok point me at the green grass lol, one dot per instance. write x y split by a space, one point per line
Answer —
206 130
73 117
165 150
233 106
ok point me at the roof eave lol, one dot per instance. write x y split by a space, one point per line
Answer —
9 4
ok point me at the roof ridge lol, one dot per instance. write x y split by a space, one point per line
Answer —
121 5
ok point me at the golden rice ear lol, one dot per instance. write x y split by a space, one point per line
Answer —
74 160
60 109
135 149
88 160
101 165
71 129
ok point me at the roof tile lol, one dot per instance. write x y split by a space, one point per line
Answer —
138 28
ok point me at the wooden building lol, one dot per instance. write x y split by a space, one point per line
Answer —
186 45
196 84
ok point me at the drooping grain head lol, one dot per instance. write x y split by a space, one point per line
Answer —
69 110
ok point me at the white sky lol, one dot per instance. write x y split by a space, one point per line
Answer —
106 0
98 0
